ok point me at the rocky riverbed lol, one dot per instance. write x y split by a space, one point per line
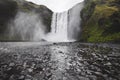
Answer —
59 61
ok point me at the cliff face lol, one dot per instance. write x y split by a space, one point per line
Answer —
10 9
101 21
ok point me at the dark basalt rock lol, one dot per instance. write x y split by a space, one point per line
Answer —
8 10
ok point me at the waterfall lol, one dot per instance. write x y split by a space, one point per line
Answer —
65 26
59 27
60 23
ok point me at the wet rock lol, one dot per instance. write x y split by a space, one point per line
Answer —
82 51
12 64
30 70
54 43
78 63
61 52
98 73
38 69
21 77
108 64
28 79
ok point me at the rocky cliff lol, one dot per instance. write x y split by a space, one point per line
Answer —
101 21
9 9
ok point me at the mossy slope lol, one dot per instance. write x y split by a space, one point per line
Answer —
101 21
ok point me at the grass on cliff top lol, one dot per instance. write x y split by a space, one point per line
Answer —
103 1
93 31
104 11
108 38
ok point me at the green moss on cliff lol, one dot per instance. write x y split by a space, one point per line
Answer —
103 23
104 11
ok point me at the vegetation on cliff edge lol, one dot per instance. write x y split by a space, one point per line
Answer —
101 21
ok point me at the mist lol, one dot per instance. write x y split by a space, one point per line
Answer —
27 26
66 26
74 29
30 26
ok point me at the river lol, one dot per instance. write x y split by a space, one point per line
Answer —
59 61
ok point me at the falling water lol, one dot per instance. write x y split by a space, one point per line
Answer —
65 26
59 25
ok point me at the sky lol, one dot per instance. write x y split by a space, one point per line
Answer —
57 5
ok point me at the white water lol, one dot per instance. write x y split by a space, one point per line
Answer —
74 28
59 25
27 26
65 26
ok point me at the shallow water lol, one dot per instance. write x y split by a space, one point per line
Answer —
59 61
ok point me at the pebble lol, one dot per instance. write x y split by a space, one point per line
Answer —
61 52
99 73
30 70
12 64
87 63
21 77
108 64
28 79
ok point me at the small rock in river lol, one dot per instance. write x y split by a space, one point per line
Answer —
99 73
61 52
54 43
21 77
82 51
108 64
12 64
30 70
28 79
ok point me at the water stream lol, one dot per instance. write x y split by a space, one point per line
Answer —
59 25
65 26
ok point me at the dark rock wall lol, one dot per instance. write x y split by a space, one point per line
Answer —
8 10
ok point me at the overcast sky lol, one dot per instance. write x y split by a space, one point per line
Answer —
57 5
